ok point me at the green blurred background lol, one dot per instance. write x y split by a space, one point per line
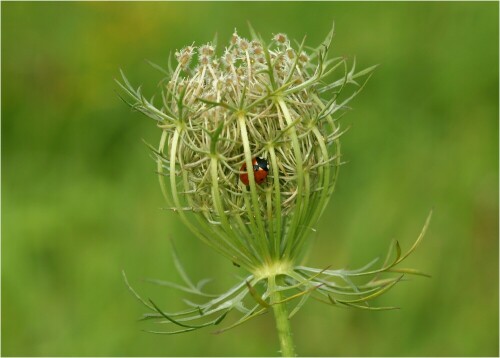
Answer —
81 201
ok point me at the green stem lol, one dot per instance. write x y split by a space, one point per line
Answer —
282 322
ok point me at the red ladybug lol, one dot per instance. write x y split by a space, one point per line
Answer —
260 171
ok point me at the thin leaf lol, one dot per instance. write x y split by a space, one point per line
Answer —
170 333
350 79
420 237
214 40
135 293
214 136
309 290
256 296
409 271
253 34
398 251
299 305
157 67
373 295
221 318
211 323
252 314
177 286
180 269
370 308
202 283
216 104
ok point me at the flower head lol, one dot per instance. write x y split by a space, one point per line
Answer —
265 102
226 118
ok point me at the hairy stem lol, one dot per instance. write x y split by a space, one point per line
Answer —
282 322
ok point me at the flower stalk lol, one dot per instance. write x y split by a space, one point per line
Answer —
217 115
282 322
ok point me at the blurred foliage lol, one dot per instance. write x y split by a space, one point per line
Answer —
81 200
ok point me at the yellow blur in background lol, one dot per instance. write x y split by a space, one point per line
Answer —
81 202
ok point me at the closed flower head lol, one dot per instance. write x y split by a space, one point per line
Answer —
249 152
223 113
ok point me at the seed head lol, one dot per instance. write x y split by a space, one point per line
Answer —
262 102
248 158
280 38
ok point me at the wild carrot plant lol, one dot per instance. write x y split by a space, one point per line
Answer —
220 112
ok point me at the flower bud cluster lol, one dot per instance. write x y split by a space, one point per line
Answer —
219 113
248 158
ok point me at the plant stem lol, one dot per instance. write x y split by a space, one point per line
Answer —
283 323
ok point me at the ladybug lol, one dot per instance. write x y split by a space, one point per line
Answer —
260 171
